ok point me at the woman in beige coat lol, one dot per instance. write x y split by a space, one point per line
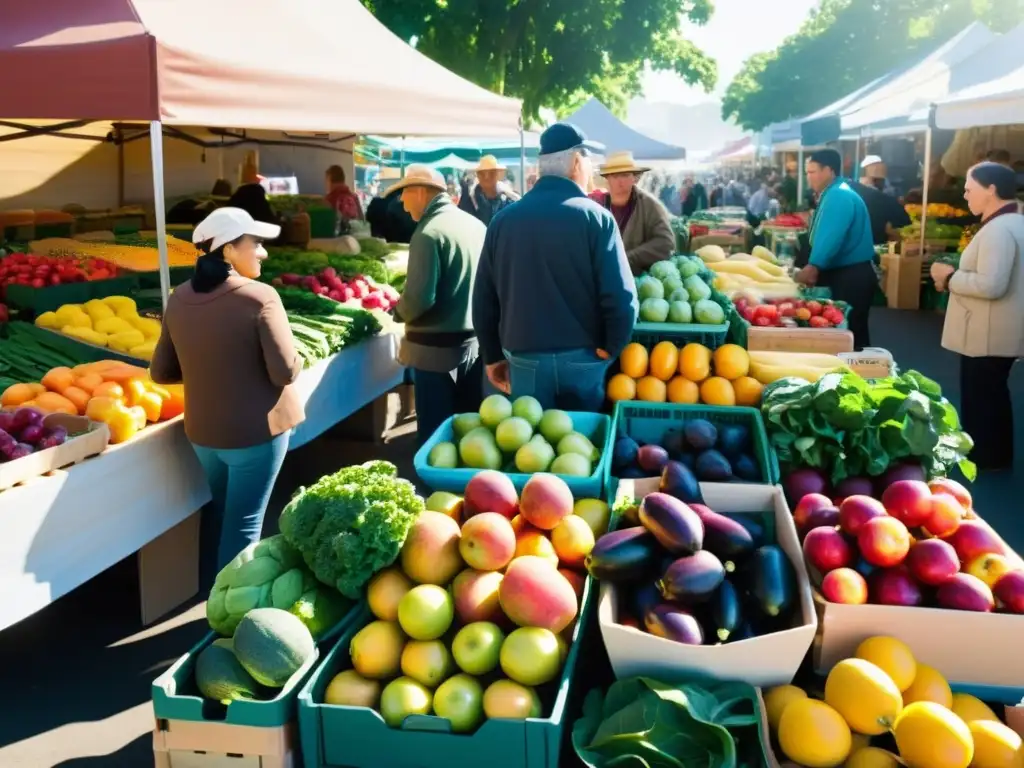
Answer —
985 318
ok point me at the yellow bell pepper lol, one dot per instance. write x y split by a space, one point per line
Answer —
48 320
151 404
134 389
97 310
85 334
139 415
122 423
100 407
144 351
125 340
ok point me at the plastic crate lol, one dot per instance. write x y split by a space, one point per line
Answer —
323 222
711 336
55 229
178 276
595 426
48 299
648 422
81 350
355 737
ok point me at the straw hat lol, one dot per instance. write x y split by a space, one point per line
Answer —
417 175
620 162
490 163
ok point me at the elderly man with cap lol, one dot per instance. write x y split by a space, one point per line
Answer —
487 195
886 214
439 343
554 299
643 221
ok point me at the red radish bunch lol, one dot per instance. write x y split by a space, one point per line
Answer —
789 313
362 291
42 271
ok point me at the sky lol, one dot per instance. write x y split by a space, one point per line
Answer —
738 29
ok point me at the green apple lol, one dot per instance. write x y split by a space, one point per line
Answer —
460 700
513 433
477 647
444 455
494 410
528 408
555 425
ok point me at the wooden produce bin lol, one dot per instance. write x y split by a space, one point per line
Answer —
901 279
185 744
85 439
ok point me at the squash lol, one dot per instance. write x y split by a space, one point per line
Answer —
17 394
125 340
85 334
48 320
118 303
97 310
111 325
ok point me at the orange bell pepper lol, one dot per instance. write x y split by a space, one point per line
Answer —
100 408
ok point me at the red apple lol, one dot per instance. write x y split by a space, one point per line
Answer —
826 550
894 586
954 489
884 541
932 561
808 504
946 515
822 517
909 501
974 538
1010 591
857 510
846 586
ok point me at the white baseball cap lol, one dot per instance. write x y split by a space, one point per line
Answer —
227 224
870 160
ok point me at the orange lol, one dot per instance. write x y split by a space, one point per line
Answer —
731 361
717 391
695 362
633 360
621 387
664 359
651 390
748 391
682 390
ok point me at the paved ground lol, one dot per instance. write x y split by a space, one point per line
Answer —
76 676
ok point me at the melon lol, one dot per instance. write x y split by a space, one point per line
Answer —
272 645
220 677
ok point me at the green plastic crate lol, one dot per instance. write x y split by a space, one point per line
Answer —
711 336
48 299
648 423
355 737
175 696
82 350
56 229
323 222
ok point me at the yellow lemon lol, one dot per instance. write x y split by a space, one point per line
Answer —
717 391
871 757
651 390
731 361
813 734
995 745
864 695
633 360
695 362
664 360
892 656
777 699
928 685
968 709
682 390
621 387
930 736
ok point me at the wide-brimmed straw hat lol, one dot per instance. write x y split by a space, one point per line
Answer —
620 162
490 163
417 175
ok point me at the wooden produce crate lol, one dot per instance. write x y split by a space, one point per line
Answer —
187 744
91 442
826 341
730 243
901 279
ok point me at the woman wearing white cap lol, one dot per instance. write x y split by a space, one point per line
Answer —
226 337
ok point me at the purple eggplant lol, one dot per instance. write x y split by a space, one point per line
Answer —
674 623
692 579
723 536
676 527
625 555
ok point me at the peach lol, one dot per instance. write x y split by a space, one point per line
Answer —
490 491
572 539
954 489
535 544
476 596
488 542
534 594
545 501
430 554
576 579
945 516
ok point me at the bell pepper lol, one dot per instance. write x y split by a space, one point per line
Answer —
134 390
100 407
152 405
122 423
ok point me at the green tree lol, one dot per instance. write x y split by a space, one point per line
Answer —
844 45
550 54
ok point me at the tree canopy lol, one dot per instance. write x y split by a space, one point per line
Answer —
555 55
844 45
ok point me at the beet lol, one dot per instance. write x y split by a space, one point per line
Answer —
53 438
803 481
901 471
854 486
20 451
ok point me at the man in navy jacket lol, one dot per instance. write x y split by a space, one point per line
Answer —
554 300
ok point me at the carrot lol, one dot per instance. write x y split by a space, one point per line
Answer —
16 394
79 397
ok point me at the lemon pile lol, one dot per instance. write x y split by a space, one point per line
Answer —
884 689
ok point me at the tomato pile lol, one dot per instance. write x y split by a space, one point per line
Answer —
42 271
791 313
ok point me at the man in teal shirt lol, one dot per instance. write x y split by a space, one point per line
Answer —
842 248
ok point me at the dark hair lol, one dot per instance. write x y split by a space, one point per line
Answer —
998 156
336 174
212 268
828 158
989 174
221 188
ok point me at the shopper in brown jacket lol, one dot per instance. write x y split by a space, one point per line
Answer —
226 337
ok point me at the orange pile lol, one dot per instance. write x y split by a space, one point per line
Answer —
693 374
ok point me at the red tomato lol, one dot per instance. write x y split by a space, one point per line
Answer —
763 321
814 307
817 321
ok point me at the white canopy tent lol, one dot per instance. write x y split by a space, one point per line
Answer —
988 89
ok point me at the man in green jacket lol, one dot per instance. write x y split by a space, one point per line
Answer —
440 345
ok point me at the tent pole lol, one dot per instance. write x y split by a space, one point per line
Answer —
522 158
800 178
926 180
401 160
156 153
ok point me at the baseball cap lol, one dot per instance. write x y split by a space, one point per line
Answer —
870 160
561 137
227 224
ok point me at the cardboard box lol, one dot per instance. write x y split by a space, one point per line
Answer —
91 439
870 363
185 744
901 281
761 661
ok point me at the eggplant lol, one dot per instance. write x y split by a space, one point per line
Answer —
723 536
628 554
643 598
754 527
674 623
745 631
725 611
772 581
676 527
692 579
678 480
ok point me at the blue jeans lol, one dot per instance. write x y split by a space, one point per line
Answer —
241 480
442 395
572 380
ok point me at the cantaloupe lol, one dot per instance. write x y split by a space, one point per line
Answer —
220 677
272 645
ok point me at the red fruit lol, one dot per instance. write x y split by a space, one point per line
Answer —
763 321
946 515
846 586
833 315
808 504
954 489
817 321
909 501
964 592
894 586
826 550
814 307
974 538
822 517
855 511
932 561
884 542
1009 590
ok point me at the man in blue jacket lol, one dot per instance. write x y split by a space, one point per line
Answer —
842 249
554 299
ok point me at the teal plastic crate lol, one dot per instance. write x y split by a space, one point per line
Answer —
48 299
711 336
175 696
648 423
356 737
323 222
595 426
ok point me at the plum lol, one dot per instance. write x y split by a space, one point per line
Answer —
20 451
53 438
6 420
25 416
32 434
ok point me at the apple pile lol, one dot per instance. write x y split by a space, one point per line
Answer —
790 313
362 291
921 544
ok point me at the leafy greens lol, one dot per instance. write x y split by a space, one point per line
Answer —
848 426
